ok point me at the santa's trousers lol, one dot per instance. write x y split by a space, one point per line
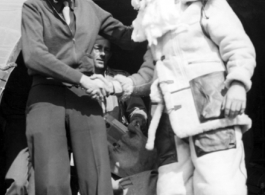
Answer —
211 163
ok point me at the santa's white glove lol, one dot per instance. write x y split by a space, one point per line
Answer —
127 85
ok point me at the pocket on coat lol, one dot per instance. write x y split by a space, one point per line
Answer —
214 141
208 92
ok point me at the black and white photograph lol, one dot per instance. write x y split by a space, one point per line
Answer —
132 97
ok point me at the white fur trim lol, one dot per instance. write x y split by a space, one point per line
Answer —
153 127
117 87
138 111
241 120
239 74
198 69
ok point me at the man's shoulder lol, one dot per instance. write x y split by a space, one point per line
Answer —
34 2
89 2
113 72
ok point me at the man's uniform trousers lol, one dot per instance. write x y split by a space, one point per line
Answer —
57 117
211 163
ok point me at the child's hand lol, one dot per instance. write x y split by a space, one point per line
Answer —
234 102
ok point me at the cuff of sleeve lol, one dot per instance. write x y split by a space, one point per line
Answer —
133 79
140 89
239 74
117 88
74 76
138 113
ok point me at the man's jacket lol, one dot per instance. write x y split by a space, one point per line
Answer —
52 49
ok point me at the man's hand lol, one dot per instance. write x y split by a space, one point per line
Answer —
95 88
138 121
125 183
234 102
127 85
107 83
135 130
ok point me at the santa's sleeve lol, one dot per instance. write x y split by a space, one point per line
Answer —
236 48
143 78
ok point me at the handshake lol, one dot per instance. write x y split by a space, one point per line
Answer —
98 87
